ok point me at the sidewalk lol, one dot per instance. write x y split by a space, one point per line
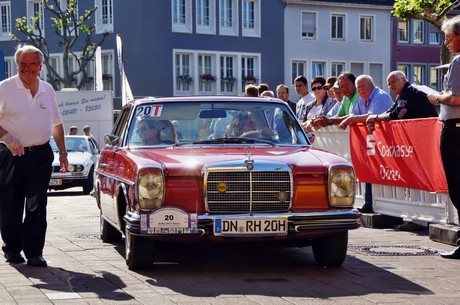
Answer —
383 267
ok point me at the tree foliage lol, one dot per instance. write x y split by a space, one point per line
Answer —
69 28
432 11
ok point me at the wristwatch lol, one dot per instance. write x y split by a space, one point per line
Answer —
329 122
63 152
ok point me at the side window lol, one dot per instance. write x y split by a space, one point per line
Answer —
121 124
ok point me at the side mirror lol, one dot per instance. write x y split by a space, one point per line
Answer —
111 139
311 137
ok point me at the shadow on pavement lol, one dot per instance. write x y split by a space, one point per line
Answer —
50 280
212 271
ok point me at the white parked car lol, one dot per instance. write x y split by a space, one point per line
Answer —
83 154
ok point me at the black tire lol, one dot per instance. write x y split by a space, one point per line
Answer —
89 183
331 251
108 233
138 251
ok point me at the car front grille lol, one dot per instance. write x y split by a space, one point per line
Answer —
248 191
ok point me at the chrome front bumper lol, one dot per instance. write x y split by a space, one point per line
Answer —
334 220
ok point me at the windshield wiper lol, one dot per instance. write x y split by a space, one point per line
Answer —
233 140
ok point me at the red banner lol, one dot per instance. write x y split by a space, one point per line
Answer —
402 153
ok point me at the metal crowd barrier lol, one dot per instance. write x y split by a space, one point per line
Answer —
409 204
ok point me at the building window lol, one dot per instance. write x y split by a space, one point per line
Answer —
205 16
298 68
419 75
55 62
308 25
107 70
435 35
419 32
337 68
251 18
317 69
183 75
206 74
35 10
337 27
9 67
228 16
248 72
357 68
434 78
403 31
5 21
406 70
366 28
104 16
227 74
182 16
376 72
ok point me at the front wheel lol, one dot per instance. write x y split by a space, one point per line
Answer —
108 233
331 251
138 251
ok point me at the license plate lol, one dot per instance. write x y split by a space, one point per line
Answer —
55 182
250 226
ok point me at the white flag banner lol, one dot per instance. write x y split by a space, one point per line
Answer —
98 85
126 93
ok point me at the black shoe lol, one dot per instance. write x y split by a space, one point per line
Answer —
37 261
366 208
455 254
14 257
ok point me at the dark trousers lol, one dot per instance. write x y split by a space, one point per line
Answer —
368 194
450 154
26 188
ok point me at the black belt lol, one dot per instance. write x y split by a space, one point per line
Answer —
36 147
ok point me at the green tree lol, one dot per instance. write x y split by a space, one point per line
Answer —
432 11
69 28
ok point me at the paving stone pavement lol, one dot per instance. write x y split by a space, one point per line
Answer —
383 266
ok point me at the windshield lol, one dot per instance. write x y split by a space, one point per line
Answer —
74 144
216 122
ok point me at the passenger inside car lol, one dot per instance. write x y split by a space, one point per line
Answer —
168 132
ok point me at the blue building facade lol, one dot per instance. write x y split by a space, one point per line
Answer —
178 47
207 47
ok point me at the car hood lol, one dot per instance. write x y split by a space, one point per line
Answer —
179 160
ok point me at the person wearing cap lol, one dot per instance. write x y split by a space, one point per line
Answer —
330 102
87 132
338 98
73 130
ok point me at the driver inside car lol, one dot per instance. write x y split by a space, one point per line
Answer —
243 125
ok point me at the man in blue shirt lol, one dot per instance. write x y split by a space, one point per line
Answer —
372 100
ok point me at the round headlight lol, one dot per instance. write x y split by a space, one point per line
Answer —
342 186
150 188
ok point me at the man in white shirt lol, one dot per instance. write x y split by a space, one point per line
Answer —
301 87
29 116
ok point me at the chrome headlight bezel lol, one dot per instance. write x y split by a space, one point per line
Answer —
342 185
150 188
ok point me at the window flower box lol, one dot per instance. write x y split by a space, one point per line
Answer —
185 78
207 77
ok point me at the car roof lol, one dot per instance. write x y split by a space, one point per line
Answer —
207 98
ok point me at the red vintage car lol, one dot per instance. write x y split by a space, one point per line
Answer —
221 169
